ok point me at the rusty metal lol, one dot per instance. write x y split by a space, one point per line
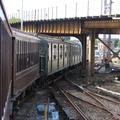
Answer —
81 113
115 54
65 92
91 94
83 25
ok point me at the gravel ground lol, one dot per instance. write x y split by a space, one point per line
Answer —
28 110
91 111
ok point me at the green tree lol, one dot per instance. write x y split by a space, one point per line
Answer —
118 43
12 20
96 41
115 42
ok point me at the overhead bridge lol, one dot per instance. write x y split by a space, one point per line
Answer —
82 25
79 27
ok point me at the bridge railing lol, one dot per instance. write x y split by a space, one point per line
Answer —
80 9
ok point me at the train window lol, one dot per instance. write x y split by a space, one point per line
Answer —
20 56
55 46
17 56
61 51
60 56
55 52
60 46
22 63
54 57
27 55
65 54
65 50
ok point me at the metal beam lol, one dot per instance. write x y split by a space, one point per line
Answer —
115 54
91 62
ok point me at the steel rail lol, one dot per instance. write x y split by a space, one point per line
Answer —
82 114
87 91
115 115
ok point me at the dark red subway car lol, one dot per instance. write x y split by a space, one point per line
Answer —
5 64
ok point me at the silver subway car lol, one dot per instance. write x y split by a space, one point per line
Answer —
57 54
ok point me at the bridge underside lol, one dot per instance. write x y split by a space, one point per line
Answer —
80 28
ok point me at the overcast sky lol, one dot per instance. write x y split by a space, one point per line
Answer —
12 6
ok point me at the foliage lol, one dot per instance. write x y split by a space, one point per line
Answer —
115 42
118 43
12 20
96 41
65 37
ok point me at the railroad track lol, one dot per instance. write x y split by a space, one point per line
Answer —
88 105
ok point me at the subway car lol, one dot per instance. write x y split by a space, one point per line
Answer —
5 64
37 59
26 63
57 55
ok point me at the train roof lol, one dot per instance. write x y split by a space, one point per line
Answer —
54 39
21 34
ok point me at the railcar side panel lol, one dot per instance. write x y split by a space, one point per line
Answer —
5 70
26 63
5 65
61 54
25 79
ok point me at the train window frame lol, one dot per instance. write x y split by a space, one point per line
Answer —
54 51
60 51
25 52
65 50
17 55
55 57
55 46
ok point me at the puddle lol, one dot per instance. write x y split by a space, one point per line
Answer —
53 114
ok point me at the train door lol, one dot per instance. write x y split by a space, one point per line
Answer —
43 57
65 55
60 55
54 57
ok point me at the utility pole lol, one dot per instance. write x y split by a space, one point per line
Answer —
22 17
107 9
88 8
101 6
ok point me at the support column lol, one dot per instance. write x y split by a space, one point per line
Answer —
91 55
84 46
83 39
